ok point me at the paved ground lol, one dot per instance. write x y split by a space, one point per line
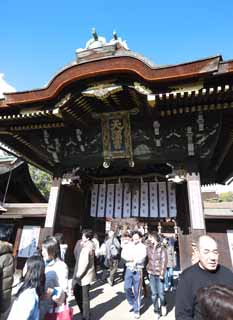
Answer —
109 303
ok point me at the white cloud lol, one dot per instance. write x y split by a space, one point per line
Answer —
4 86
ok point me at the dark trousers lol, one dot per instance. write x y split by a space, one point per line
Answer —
4 315
103 267
82 298
113 266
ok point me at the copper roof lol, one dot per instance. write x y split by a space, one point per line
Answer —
117 65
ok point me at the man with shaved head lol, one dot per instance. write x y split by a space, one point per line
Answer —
205 272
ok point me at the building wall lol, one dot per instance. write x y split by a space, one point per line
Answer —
217 228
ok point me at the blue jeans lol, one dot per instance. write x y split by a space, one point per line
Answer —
157 292
169 281
133 285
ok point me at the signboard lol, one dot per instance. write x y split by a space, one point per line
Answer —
116 135
29 241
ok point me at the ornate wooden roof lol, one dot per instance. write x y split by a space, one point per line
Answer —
178 114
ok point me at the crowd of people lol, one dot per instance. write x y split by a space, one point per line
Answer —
204 290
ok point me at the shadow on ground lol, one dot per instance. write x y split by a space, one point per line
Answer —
146 302
100 310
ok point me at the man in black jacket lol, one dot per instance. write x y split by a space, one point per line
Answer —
202 274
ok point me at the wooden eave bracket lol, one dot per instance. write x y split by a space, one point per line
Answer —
38 114
56 112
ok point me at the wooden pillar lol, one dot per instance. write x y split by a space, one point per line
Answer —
52 207
195 206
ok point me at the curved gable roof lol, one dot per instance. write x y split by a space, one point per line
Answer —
118 64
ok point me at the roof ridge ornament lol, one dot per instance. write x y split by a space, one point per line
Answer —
99 44
116 40
95 35
96 41
115 35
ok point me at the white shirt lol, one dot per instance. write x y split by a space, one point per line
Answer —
134 255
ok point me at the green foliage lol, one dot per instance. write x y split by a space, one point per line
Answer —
226 197
42 180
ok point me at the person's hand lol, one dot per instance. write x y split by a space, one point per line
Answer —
161 278
59 299
49 292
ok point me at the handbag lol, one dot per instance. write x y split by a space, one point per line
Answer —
66 314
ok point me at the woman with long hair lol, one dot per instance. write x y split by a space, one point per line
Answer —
26 303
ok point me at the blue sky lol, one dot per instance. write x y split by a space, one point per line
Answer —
40 37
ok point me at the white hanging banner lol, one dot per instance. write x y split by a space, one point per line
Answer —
110 201
144 208
154 210
127 201
101 202
230 243
163 200
118 200
94 195
135 201
172 199
153 199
